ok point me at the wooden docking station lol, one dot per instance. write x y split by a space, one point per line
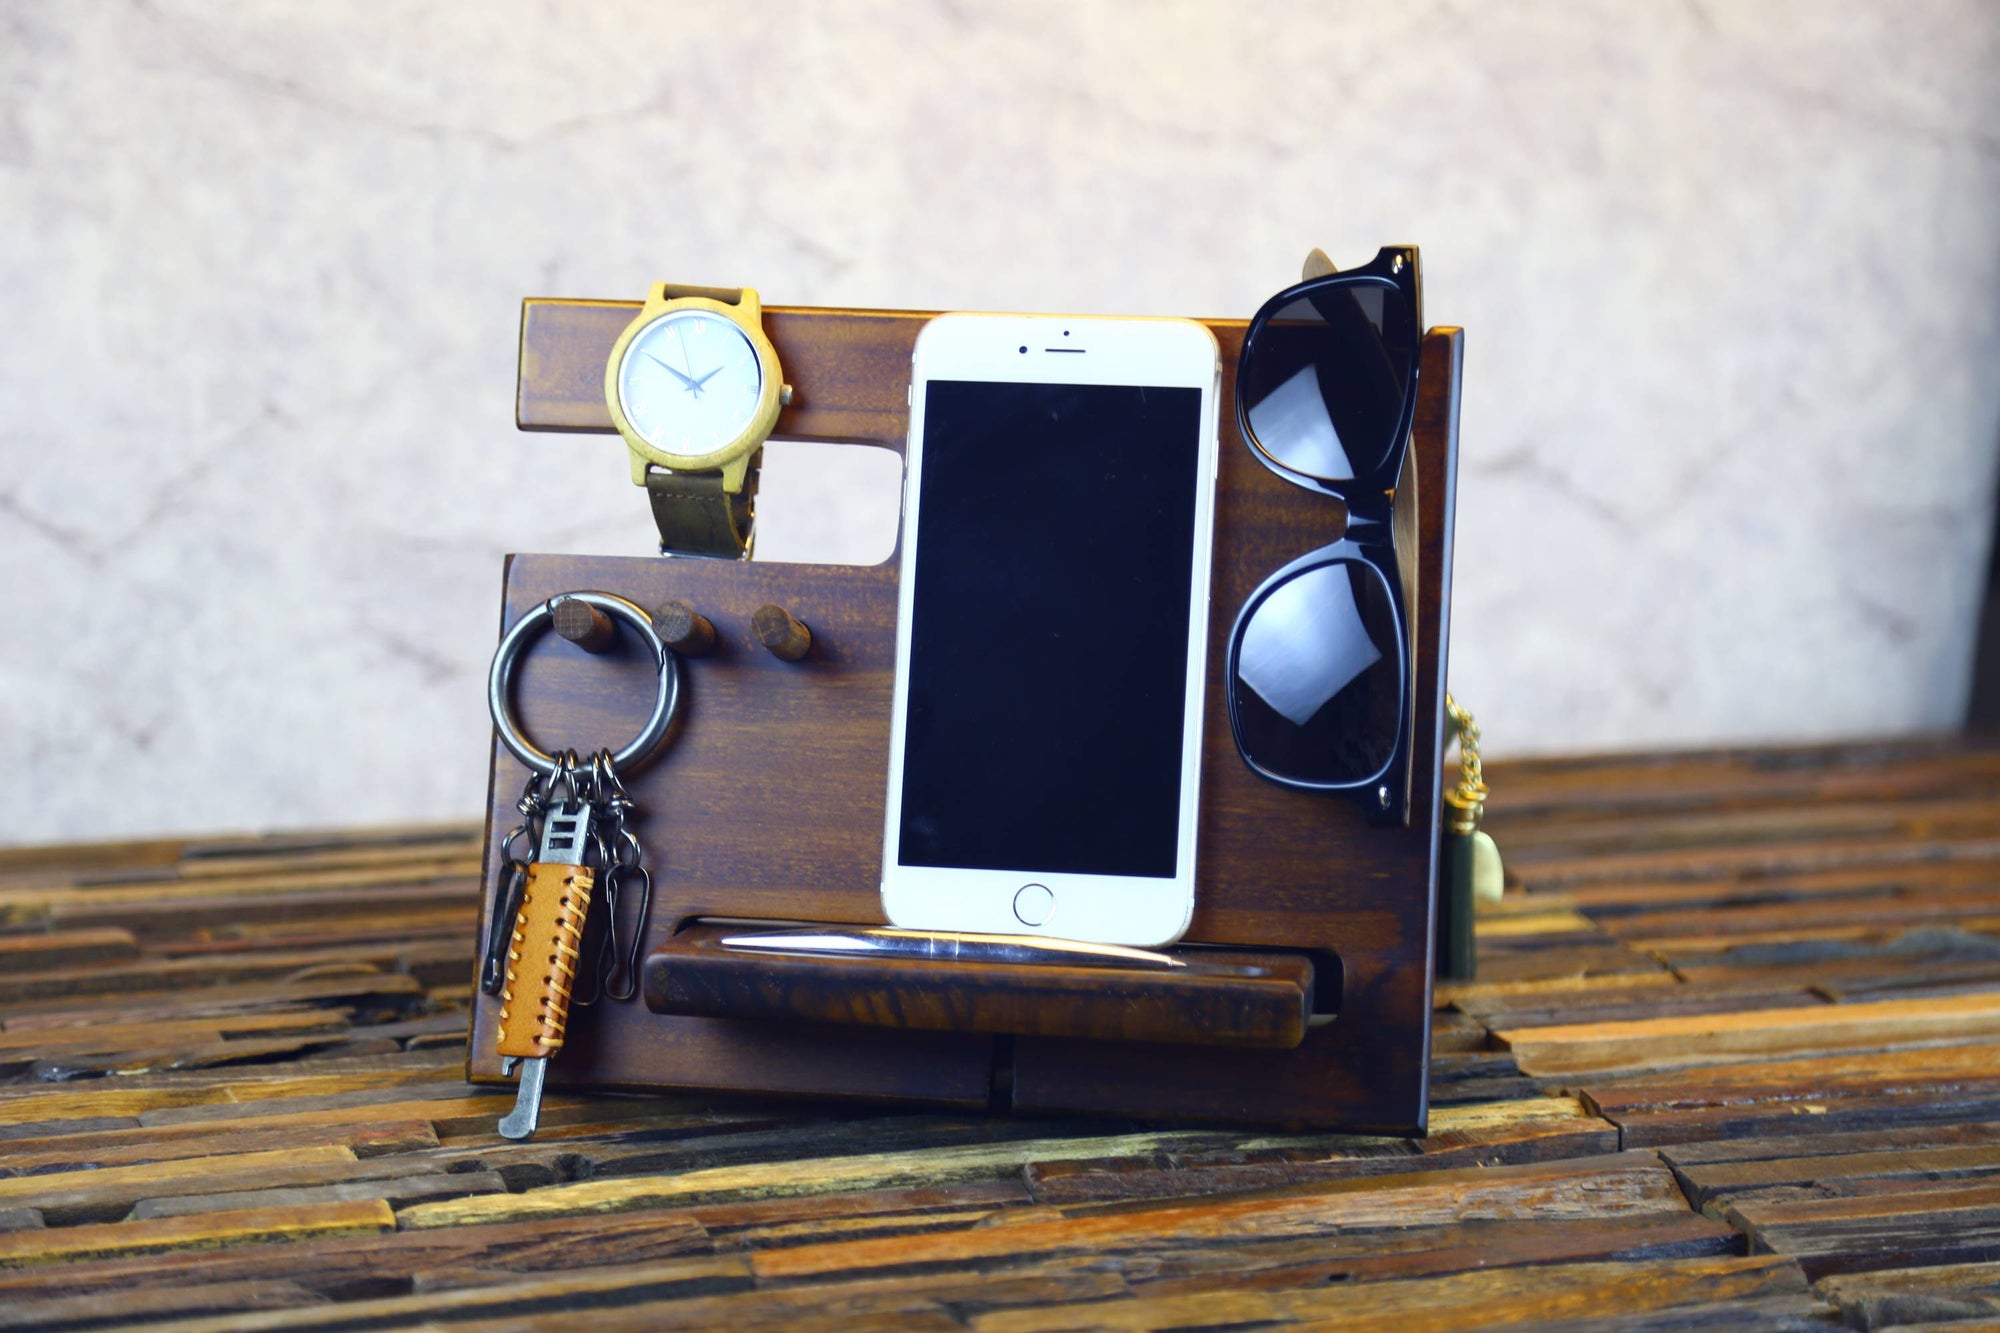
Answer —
1306 999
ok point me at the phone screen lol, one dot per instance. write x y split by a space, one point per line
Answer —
1048 660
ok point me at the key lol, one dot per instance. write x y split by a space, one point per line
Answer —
542 957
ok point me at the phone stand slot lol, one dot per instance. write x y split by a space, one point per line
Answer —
1207 997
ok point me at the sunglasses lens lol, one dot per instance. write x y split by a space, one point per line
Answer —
1323 380
1318 686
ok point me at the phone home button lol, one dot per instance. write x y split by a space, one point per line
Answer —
1034 904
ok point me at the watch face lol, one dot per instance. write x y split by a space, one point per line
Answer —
689 382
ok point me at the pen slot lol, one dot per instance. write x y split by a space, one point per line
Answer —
1208 996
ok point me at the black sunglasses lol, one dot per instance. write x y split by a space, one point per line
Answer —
1319 659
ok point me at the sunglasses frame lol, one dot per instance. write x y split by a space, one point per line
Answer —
1369 539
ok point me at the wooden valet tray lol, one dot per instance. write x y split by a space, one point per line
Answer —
1306 999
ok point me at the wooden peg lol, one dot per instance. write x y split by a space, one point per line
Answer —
683 629
782 632
584 625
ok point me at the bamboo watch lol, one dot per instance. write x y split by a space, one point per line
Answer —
694 386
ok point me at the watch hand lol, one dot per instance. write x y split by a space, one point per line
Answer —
671 371
709 376
687 359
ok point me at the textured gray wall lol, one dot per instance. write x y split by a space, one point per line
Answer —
1729 273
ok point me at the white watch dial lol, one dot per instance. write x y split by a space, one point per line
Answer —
689 382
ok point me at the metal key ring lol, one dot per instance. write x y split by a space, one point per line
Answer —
500 681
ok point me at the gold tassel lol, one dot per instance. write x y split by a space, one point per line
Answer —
1469 860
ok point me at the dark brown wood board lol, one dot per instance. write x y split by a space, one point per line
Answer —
767 803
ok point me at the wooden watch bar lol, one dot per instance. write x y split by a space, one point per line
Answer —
849 369
767 805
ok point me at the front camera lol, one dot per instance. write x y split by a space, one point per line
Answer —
1024 351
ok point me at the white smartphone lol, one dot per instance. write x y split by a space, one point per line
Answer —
1052 631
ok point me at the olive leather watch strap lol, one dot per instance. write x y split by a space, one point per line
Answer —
674 291
696 516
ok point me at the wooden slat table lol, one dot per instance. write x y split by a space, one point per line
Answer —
1733 1059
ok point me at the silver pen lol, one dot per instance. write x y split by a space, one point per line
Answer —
945 947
